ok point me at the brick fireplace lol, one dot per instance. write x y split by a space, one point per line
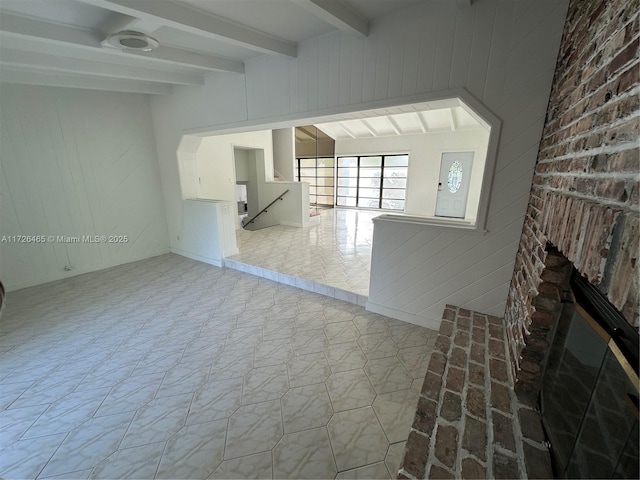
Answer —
584 197
478 411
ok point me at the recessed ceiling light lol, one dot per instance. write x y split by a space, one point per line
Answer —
129 40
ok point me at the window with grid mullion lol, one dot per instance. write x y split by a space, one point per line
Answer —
374 181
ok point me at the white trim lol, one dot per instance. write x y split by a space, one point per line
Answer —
194 256
443 223
345 112
12 287
404 316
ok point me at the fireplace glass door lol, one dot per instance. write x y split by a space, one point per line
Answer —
589 401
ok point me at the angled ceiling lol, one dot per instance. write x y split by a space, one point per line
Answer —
415 120
62 42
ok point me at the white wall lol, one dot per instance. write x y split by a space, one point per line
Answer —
214 178
284 152
209 227
424 163
76 162
292 210
216 161
502 51
241 164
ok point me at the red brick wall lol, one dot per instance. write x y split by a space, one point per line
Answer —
584 197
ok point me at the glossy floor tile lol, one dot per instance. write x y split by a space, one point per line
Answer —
335 252
170 368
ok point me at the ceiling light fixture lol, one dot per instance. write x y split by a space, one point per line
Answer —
128 40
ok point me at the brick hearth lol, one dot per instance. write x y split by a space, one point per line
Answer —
469 422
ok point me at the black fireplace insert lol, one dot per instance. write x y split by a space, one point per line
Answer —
589 393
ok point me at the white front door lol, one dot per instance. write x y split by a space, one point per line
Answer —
453 186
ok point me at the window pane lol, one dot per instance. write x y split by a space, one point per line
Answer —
370 172
325 172
395 172
393 204
308 162
325 162
347 182
325 199
368 203
395 194
347 172
307 172
396 161
346 201
348 161
370 161
368 192
346 192
325 182
325 191
370 182
306 180
312 190
395 182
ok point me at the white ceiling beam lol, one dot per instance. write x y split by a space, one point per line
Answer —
338 14
423 125
368 126
394 125
107 55
452 120
63 34
178 56
14 75
15 30
197 22
347 130
328 132
39 62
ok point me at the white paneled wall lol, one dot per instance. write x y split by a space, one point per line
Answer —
502 51
74 163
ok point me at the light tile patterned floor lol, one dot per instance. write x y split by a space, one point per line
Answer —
171 368
334 252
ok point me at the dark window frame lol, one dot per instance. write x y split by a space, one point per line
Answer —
381 189
298 177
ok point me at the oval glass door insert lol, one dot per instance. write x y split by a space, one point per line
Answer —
454 178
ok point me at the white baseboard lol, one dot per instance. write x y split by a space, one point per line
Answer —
404 316
11 286
194 256
292 224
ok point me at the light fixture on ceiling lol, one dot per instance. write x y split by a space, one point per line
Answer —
128 40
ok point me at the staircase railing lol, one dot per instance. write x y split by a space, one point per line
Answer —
264 210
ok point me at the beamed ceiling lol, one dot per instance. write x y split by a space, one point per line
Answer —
63 42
